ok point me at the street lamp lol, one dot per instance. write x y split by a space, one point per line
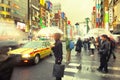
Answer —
77 24
87 23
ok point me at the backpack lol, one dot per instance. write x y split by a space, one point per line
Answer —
71 46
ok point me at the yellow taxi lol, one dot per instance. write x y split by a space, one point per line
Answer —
32 51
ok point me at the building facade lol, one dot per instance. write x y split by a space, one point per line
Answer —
48 15
116 14
5 9
111 14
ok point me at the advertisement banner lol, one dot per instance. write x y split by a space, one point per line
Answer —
63 15
97 19
106 16
42 2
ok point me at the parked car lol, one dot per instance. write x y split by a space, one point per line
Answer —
32 51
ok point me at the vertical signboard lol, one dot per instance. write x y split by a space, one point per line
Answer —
42 2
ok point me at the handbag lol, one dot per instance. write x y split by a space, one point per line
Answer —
77 48
58 70
92 46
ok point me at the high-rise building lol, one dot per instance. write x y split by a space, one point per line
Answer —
93 17
102 13
57 15
19 10
111 14
5 9
25 11
98 13
42 12
102 17
48 14
56 8
116 12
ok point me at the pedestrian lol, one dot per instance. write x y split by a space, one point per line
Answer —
98 42
69 47
104 54
30 36
58 51
88 44
92 45
78 46
111 49
85 44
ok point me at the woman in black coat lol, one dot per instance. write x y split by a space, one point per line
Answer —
78 46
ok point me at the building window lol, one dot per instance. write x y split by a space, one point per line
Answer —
1 1
1 8
8 9
6 1
2 16
8 16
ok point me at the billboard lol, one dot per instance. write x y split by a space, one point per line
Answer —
62 15
48 5
42 2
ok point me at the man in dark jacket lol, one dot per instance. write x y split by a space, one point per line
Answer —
104 54
111 48
78 46
57 50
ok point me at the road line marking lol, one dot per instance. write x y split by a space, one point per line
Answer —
74 70
66 77
74 64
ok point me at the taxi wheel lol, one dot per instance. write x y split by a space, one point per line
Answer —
36 59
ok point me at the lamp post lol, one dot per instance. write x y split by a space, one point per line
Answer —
29 16
87 23
77 29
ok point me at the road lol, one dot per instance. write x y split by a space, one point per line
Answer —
43 71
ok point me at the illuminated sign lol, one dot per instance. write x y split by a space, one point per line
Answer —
48 5
106 16
42 2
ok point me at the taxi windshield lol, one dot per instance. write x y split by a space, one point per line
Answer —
33 45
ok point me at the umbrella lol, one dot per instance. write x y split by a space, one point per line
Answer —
48 31
97 32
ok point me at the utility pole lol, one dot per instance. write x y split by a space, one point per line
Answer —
29 16
77 28
87 23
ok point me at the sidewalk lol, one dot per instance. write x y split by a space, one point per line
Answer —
88 65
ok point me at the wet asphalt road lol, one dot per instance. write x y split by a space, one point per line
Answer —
87 71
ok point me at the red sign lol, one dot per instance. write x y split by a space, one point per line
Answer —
69 22
94 9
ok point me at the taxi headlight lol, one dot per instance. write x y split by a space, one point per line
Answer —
26 55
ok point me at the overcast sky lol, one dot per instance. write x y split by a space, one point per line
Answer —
76 10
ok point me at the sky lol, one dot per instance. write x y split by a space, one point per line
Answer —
76 10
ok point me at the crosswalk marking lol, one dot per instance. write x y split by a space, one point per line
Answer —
80 78
90 66
66 77
74 64
74 70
